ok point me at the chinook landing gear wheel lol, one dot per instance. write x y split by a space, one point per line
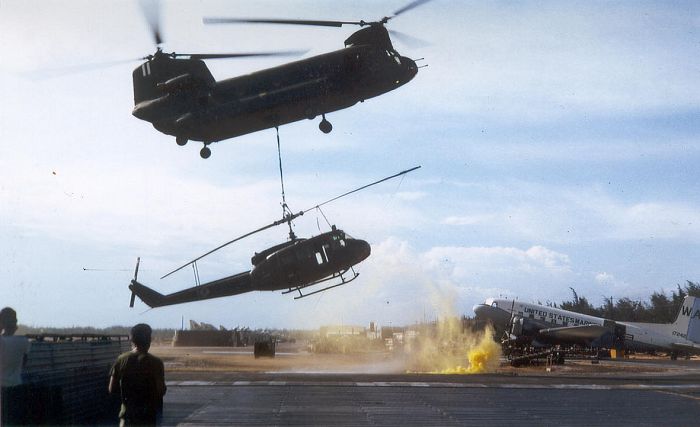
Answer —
325 125
205 152
181 140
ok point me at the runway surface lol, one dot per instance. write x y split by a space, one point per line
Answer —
421 400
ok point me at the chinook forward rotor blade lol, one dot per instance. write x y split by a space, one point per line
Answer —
151 11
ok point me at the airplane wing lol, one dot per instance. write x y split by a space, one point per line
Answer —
232 285
575 333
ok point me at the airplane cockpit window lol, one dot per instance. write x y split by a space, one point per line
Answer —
494 304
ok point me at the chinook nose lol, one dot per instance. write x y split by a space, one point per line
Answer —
410 67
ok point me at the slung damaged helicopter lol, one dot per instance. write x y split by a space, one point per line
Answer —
179 96
290 266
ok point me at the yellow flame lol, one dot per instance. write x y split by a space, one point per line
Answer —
448 348
484 357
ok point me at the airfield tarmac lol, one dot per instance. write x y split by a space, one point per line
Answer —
228 386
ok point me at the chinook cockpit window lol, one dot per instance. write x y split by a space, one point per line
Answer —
395 55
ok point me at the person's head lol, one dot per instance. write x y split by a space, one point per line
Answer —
141 336
8 321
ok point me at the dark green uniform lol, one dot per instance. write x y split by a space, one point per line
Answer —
141 381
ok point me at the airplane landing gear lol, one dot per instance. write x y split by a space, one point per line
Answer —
181 140
325 125
205 152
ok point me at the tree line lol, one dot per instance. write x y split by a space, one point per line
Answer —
659 308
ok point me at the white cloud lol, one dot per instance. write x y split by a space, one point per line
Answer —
563 214
467 219
411 196
605 278
412 281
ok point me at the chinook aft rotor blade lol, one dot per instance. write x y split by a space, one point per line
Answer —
316 23
280 21
238 55
410 41
412 5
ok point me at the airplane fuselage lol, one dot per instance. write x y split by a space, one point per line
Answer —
539 319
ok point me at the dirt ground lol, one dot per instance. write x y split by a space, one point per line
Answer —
288 359
294 358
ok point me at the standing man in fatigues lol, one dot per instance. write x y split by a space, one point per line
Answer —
13 355
139 378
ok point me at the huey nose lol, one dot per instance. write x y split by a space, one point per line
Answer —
361 248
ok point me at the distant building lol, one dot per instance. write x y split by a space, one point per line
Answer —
342 330
206 335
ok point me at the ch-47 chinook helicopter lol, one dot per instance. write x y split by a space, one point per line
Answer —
179 96
291 266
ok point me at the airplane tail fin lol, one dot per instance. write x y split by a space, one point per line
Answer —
146 294
688 320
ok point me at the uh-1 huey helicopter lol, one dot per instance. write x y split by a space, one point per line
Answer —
290 266
179 96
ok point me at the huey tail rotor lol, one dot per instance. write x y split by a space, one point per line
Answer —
136 275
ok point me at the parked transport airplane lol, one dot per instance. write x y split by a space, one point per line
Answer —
544 325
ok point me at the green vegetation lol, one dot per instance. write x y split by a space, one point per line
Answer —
660 308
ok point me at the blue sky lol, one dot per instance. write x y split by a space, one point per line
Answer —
559 144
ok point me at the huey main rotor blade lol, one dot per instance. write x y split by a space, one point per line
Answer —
274 224
288 218
363 187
